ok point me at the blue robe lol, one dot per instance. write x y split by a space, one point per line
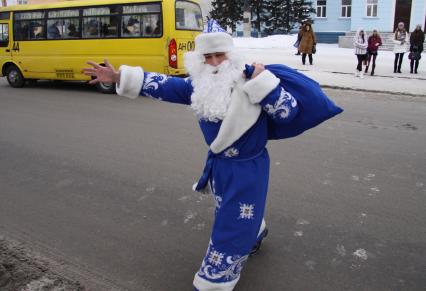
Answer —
238 177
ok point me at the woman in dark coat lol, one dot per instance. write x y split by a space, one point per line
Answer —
307 43
374 41
417 39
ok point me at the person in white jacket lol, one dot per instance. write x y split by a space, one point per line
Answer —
360 45
400 39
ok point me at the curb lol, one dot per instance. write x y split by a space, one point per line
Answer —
373 91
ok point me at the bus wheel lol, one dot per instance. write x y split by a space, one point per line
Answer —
15 77
106 88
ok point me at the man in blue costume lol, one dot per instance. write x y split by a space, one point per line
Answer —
233 113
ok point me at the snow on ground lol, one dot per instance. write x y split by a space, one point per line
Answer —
334 66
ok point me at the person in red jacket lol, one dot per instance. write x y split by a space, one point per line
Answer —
374 41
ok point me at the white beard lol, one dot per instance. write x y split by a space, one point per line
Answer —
212 86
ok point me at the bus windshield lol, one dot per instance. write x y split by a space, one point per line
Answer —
188 16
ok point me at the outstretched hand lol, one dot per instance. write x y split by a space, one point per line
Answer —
258 68
104 74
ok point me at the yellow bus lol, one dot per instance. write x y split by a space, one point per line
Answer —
54 41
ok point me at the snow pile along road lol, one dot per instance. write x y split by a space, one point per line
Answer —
334 66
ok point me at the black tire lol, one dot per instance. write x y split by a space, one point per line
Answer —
15 77
106 88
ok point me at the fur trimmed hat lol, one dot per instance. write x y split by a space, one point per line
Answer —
214 39
214 42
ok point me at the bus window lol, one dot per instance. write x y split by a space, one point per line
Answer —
4 15
55 28
4 35
141 20
100 22
37 30
151 25
188 16
142 8
63 24
72 29
25 22
131 26
21 30
110 26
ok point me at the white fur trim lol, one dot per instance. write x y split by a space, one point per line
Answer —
241 116
204 285
131 81
259 87
262 227
206 190
214 42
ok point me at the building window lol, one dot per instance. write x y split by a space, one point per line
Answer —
321 8
346 8
372 8
22 2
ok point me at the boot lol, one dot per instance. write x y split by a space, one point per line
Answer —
399 65
256 247
366 69
416 67
395 65
372 70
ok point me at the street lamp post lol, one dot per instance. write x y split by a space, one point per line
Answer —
246 19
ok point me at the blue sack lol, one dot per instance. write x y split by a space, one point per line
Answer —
314 106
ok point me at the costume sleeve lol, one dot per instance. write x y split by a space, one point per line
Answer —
265 90
135 82
280 105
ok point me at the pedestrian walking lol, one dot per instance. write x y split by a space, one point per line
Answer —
237 115
417 39
307 43
400 40
299 38
360 45
374 41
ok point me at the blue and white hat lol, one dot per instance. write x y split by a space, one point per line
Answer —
214 39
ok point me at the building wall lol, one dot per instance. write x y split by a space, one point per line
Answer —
418 14
383 22
333 22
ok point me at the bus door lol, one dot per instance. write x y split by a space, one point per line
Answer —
5 42
188 24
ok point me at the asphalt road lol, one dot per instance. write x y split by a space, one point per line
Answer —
104 183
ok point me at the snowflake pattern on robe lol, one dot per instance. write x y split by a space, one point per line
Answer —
280 109
246 211
231 152
220 266
215 258
152 82
218 201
